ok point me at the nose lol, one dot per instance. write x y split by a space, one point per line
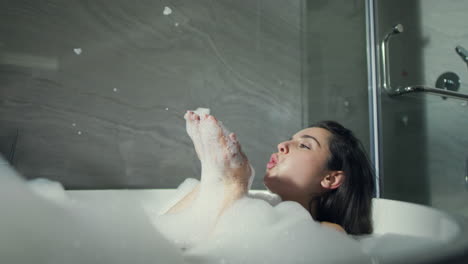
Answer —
283 147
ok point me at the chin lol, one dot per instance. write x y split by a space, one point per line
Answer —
266 180
269 182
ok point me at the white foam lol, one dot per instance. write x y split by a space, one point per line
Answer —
117 231
253 231
50 190
35 230
202 111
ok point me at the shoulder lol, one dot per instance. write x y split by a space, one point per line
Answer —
333 226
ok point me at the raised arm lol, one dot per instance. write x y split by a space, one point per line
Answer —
225 168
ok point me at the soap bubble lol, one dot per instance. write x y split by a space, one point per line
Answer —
167 11
77 51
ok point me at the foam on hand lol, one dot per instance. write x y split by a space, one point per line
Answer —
202 111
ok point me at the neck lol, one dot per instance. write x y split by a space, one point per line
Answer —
310 206
309 203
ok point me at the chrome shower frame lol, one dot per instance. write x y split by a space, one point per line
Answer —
374 95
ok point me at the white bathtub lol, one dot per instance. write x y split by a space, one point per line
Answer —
403 232
36 230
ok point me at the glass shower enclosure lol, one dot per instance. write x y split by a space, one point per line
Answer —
422 101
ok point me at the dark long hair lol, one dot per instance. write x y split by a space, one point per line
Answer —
349 205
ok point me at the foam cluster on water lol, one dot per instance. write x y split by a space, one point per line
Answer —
36 230
254 231
118 231
50 190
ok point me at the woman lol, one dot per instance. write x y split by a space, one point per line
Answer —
323 168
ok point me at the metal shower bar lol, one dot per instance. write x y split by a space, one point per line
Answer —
409 89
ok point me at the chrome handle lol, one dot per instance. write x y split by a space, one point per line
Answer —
397 29
386 84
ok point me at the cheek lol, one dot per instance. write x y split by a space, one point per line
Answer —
303 171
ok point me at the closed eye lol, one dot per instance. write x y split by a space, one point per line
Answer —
304 146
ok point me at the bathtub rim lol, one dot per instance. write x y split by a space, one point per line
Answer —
455 251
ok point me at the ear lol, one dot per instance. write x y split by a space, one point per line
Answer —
333 180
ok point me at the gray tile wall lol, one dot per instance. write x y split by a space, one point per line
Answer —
337 72
97 89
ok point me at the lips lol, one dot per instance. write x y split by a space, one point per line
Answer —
273 161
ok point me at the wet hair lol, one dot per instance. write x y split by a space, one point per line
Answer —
349 205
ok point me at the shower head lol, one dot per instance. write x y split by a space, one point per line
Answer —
396 29
462 52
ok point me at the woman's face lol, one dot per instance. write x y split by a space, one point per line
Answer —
295 172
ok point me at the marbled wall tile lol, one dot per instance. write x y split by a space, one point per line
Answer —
97 90
337 65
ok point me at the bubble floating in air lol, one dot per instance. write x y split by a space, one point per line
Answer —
167 11
77 51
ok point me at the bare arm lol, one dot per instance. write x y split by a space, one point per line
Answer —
184 202
232 194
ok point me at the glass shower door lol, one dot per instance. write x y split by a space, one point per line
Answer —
423 136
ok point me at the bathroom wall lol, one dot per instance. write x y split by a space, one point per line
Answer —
92 93
425 143
337 66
